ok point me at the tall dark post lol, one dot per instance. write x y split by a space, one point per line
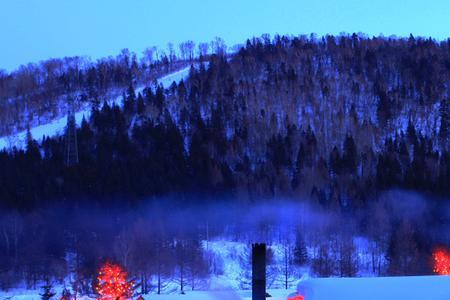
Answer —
259 271
71 145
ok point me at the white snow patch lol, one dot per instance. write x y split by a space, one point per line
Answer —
177 76
57 126
377 288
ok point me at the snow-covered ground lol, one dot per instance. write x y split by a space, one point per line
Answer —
220 295
381 288
373 288
57 126
193 295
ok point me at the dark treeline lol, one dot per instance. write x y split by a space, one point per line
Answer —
336 120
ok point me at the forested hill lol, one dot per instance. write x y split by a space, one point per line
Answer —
334 120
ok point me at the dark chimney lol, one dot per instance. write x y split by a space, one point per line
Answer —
259 271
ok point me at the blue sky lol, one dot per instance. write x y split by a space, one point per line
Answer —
32 30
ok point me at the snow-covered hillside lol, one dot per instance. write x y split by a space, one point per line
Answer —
233 261
57 126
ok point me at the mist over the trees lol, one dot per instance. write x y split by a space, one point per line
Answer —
160 236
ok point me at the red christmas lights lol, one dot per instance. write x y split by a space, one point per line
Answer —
295 297
112 283
441 259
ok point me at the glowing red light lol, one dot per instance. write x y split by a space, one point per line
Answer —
295 297
441 259
113 283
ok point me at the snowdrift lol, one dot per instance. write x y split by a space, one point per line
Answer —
377 288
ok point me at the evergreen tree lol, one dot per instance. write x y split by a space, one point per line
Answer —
299 164
130 100
384 109
411 133
335 162
48 292
32 149
159 98
300 250
444 113
113 283
349 155
140 105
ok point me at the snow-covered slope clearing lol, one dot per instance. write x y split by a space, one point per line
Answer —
57 126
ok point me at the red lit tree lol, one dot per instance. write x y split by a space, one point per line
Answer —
113 284
441 261
66 295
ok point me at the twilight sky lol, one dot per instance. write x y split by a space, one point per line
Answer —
33 30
